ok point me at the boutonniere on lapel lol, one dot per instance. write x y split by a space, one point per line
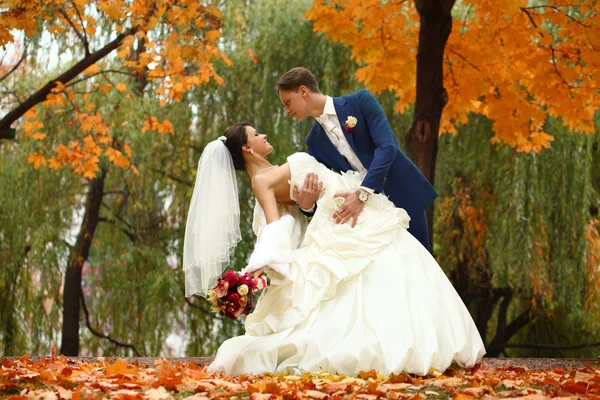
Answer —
350 123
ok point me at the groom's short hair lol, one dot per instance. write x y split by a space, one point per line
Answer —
296 77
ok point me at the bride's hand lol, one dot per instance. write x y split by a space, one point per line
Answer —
256 274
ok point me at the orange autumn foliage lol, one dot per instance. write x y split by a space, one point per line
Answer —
169 45
511 61
59 377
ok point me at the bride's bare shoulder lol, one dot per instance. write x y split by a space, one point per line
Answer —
272 177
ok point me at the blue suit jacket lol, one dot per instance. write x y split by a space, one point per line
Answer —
389 170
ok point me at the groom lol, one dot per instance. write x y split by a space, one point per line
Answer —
353 133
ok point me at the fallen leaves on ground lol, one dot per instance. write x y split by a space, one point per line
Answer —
67 379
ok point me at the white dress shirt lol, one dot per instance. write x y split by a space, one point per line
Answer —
331 125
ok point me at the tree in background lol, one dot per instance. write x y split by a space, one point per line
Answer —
513 229
513 62
129 283
517 233
163 47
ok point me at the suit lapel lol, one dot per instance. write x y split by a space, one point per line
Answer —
342 109
334 159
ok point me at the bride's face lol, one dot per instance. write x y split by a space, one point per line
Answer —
258 142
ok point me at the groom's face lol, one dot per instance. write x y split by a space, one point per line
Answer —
295 102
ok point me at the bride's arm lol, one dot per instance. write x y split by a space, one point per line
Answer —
273 247
263 187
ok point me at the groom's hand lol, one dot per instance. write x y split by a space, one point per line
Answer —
311 189
351 208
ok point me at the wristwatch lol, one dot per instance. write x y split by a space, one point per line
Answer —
363 195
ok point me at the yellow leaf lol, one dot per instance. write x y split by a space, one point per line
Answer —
58 87
90 30
106 139
213 35
123 52
90 167
30 127
121 161
37 160
31 113
166 127
252 55
64 154
54 100
149 124
127 150
92 69
87 124
90 145
227 60
53 163
111 153
121 86
38 136
105 88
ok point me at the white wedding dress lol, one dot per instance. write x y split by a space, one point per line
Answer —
351 299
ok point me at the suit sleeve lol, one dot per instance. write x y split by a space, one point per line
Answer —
383 138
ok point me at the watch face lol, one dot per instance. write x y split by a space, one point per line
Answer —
363 196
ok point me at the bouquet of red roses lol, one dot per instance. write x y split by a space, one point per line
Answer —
233 294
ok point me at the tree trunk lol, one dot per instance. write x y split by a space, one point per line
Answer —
79 253
422 138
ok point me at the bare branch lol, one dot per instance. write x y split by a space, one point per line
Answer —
465 60
14 68
462 28
129 234
101 335
117 216
82 37
214 316
556 68
87 50
526 11
174 177
557 8
451 70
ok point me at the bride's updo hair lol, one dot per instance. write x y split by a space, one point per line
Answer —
236 138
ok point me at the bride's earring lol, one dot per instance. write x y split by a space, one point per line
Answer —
251 151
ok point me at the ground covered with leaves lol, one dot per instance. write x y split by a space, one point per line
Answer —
62 378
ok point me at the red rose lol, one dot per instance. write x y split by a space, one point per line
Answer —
233 309
246 280
231 278
234 298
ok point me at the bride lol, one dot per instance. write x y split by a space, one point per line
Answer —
342 299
